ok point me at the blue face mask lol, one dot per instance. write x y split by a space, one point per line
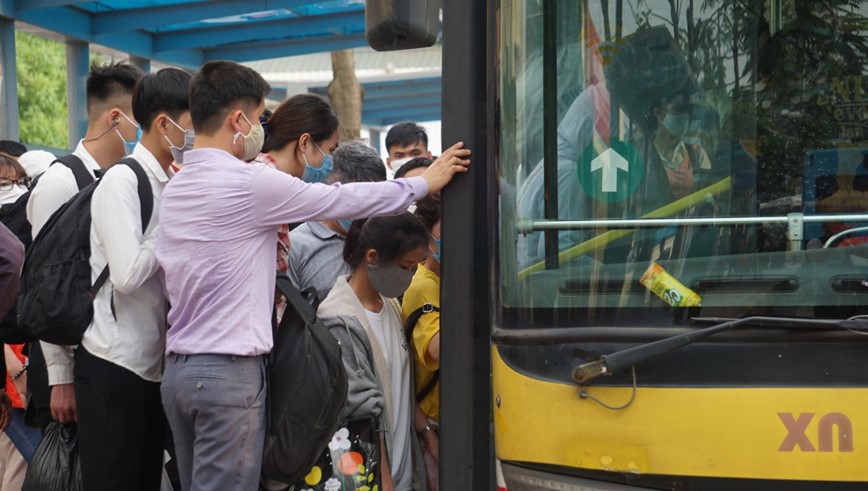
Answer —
677 124
345 224
436 254
317 174
129 146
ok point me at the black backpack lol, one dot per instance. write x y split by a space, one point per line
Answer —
14 216
307 388
56 300
409 326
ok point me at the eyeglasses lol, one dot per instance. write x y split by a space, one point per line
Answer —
7 184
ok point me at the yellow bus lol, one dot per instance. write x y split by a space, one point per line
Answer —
656 271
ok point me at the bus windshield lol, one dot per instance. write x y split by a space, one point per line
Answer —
664 160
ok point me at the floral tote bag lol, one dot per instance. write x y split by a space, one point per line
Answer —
351 462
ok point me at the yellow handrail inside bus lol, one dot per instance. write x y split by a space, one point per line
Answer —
601 240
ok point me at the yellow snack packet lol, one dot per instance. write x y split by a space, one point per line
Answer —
665 286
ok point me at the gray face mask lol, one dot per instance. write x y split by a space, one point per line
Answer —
390 280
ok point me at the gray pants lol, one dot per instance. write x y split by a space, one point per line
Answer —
215 405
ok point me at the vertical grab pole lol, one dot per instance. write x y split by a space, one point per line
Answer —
550 128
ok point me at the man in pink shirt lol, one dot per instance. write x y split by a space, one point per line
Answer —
216 248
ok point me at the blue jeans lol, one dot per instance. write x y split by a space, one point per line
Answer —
25 438
215 405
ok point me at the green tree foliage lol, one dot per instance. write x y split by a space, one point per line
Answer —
776 89
41 90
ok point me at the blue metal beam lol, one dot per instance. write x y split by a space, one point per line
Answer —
69 22
407 88
143 63
22 5
375 91
9 125
406 113
137 43
8 8
277 93
401 102
77 66
189 58
76 24
181 13
418 118
252 52
257 31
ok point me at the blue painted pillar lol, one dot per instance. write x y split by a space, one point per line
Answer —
77 66
143 63
8 82
375 138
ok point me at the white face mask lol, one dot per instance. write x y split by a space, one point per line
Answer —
253 140
178 152
12 194
396 164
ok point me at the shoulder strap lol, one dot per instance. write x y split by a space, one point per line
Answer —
409 326
146 197
413 318
295 299
146 194
422 394
82 175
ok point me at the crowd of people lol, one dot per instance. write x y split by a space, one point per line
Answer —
169 379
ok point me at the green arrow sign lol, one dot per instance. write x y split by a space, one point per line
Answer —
612 173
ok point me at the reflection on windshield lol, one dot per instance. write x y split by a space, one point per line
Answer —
736 143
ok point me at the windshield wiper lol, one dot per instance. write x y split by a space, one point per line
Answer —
635 355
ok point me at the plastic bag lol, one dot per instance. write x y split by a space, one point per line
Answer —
55 466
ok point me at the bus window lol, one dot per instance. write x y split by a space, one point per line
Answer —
732 157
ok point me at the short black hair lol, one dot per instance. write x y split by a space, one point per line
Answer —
167 91
109 81
356 162
12 147
390 236
217 88
406 133
412 164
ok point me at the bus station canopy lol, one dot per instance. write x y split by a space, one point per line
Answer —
189 33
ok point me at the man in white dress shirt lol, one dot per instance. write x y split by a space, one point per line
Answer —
110 128
119 364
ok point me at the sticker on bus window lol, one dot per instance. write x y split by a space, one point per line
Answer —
665 286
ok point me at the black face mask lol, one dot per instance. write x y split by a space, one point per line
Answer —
390 280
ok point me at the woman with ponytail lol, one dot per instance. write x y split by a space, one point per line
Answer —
383 254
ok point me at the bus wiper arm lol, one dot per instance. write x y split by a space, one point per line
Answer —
635 355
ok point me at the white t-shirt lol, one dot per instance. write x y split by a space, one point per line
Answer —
388 330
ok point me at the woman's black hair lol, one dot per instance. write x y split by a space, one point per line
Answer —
390 236
428 211
300 114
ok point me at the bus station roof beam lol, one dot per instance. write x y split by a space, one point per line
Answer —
259 51
41 4
213 37
181 13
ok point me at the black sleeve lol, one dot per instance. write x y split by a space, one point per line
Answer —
11 260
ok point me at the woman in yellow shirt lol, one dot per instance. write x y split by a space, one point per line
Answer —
423 299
